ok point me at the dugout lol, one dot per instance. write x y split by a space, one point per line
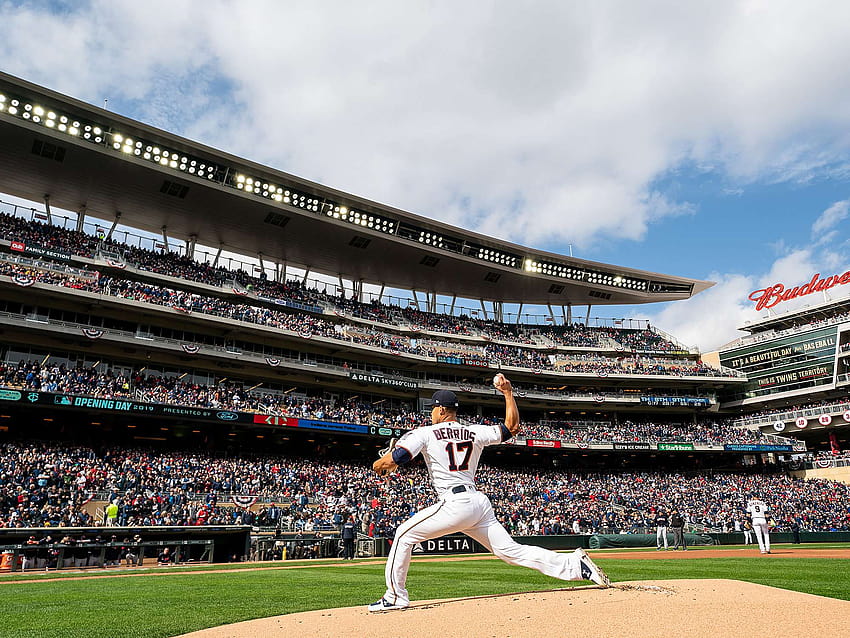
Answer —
213 543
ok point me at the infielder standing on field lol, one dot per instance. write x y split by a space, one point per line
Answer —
758 510
661 522
451 451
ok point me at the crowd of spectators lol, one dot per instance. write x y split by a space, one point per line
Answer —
233 395
704 433
309 325
180 266
47 485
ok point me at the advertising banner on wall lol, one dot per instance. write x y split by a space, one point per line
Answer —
679 447
377 379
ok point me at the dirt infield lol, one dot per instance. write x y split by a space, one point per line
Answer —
692 608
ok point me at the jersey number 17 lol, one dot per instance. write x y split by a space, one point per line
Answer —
463 446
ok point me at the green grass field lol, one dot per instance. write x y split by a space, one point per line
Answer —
160 606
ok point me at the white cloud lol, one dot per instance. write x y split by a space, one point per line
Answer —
713 317
540 123
831 217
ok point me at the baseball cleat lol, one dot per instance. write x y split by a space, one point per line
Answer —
590 571
384 605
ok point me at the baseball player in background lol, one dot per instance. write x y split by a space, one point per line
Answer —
661 522
451 451
757 509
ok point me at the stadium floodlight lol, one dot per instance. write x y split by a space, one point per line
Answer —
431 239
498 257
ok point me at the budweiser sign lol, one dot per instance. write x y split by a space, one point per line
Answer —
769 297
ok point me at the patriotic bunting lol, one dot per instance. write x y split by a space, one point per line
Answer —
190 348
245 501
116 264
305 334
23 280
92 333
273 362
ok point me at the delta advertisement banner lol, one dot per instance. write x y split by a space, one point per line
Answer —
460 544
376 379
40 251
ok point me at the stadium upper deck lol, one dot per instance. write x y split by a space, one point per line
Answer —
84 158
797 362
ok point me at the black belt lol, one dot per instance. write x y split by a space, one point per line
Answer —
457 489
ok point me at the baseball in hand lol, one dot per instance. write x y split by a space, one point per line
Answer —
499 380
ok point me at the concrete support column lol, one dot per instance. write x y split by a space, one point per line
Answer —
47 209
114 224
217 255
81 219
165 239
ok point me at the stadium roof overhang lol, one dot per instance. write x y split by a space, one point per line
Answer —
82 156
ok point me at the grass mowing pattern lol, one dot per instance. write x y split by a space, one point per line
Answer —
161 606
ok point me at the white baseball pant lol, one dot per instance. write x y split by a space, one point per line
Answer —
762 535
471 513
661 533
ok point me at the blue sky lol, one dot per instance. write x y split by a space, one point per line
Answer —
703 139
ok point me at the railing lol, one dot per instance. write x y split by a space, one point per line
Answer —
791 415
759 337
821 463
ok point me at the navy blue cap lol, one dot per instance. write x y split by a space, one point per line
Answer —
443 398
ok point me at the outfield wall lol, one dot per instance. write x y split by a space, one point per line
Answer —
611 541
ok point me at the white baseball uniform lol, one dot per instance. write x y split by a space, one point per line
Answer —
758 511
451 451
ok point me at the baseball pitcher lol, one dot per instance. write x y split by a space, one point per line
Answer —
451 451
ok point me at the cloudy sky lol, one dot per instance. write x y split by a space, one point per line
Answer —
703 139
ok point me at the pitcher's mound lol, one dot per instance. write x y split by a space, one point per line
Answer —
692 608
